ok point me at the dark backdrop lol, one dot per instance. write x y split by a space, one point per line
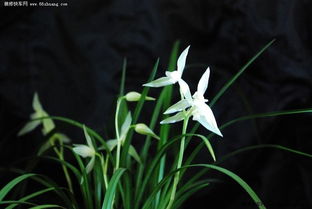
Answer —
72 56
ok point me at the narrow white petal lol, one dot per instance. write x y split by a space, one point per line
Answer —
163 81
182 60
83 150
90 165
176 118
185 90
203 82
204 116
181 105
62 137
29 127
126 125
87 136
48 124
44 147
36 103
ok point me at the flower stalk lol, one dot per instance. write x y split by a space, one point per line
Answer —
180 160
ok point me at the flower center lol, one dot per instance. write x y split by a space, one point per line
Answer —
175 75
199 98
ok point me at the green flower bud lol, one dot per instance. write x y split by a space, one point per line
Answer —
143 129
133 96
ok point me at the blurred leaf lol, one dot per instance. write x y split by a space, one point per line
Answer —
9 186
111 190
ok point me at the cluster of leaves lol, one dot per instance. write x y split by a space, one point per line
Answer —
111 173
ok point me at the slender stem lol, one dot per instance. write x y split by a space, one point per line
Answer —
60 154
104 163
180 160
105 171
117 133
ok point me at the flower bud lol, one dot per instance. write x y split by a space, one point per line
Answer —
141 128
133 96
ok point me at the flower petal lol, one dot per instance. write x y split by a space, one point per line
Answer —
29 127
48 124
203 82
36 103
83 150
182 60
176 118
90 164
87 136
62 137
185 90
204 116
163 81
181 105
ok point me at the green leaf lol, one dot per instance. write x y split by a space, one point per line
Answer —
134 154
207 143
261 146
15 202
30 196
235 177
189 191
123 77
46 206
240 181
234 78
269 114
111 190
8 187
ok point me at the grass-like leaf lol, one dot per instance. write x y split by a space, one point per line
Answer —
111 190
240 181
30 196
46 206
123 78
235 177
9 186
234 78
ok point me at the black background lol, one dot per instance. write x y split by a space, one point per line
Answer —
72 56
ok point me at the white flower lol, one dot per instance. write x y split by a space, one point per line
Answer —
171 77
48 124
200 111
86 150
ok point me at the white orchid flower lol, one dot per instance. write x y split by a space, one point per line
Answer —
200 111
171 77
48 124
86 150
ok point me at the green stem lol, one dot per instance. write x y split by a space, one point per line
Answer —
117 133
60 155
180 160
104 163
